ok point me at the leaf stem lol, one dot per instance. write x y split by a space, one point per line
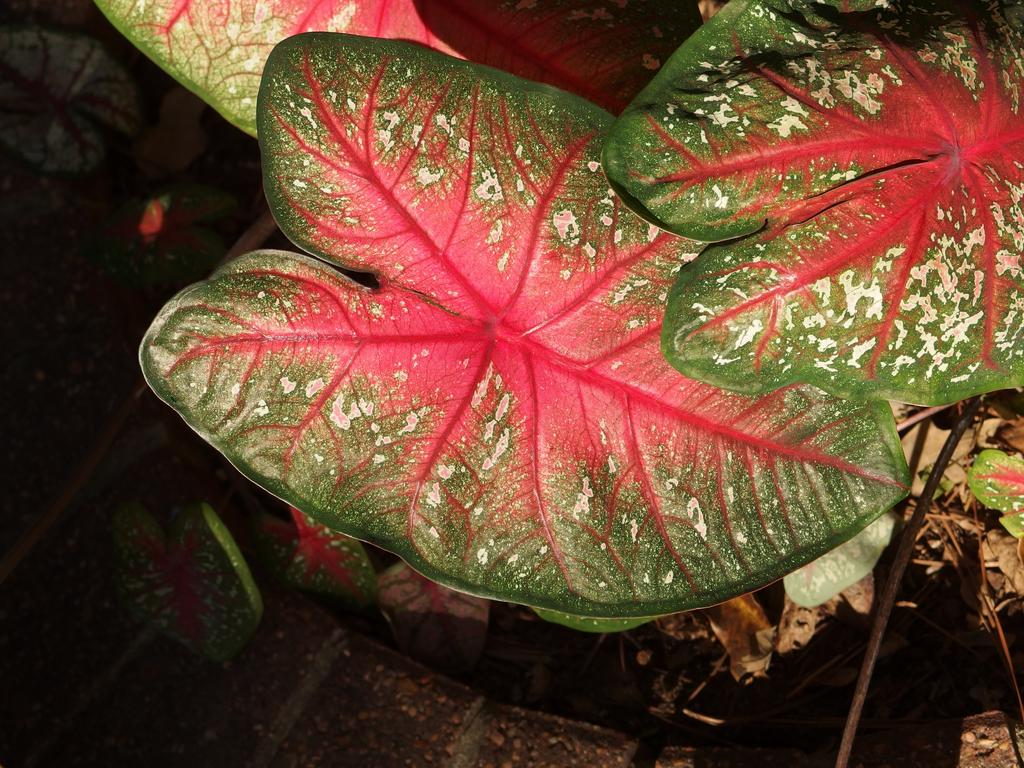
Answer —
256 235
892 583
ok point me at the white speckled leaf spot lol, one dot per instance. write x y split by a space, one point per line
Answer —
498 411
868 164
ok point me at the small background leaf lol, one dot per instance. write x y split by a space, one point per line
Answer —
160 240
308 556
439 626
821 580
192 584
997 480
57 89
743 629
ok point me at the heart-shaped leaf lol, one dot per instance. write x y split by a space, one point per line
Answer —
308 556
605 50
590 624
868 163
818 582
160 240
439 626
997 481
57 90
192 584
498 412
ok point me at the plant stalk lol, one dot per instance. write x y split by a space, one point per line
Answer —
895 577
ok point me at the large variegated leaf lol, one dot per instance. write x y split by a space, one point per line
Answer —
498 412
605 50
997 480
192 583
57 91
868 162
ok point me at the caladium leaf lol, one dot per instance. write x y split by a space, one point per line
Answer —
192 583
160 239
57 91
867 162
438 626
997 481
498 412
590 624
308 556
605 50
818 582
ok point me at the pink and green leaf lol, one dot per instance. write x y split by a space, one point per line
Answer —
161 240
997 481
863 169
58 91
191 583
818 582
439 626
605 50
308 556
497 412
591 624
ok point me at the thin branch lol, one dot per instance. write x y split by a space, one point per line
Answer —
257 233
892 583
77 481
920 416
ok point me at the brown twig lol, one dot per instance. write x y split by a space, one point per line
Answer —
892 583
918 417
996 626
256 235
253 237
77 481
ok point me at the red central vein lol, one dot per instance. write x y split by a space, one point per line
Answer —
1004 478
797 281
538 491
370 171
531 250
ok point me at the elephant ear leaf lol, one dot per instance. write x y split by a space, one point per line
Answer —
437 625
308 556
818 582
591 624
605 50
58 91
191 583
498 411
862 169
997 481
162 239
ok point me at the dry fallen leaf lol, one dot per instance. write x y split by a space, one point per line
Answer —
797 626
709 8
1011 434
1002 551
933 443
743 629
